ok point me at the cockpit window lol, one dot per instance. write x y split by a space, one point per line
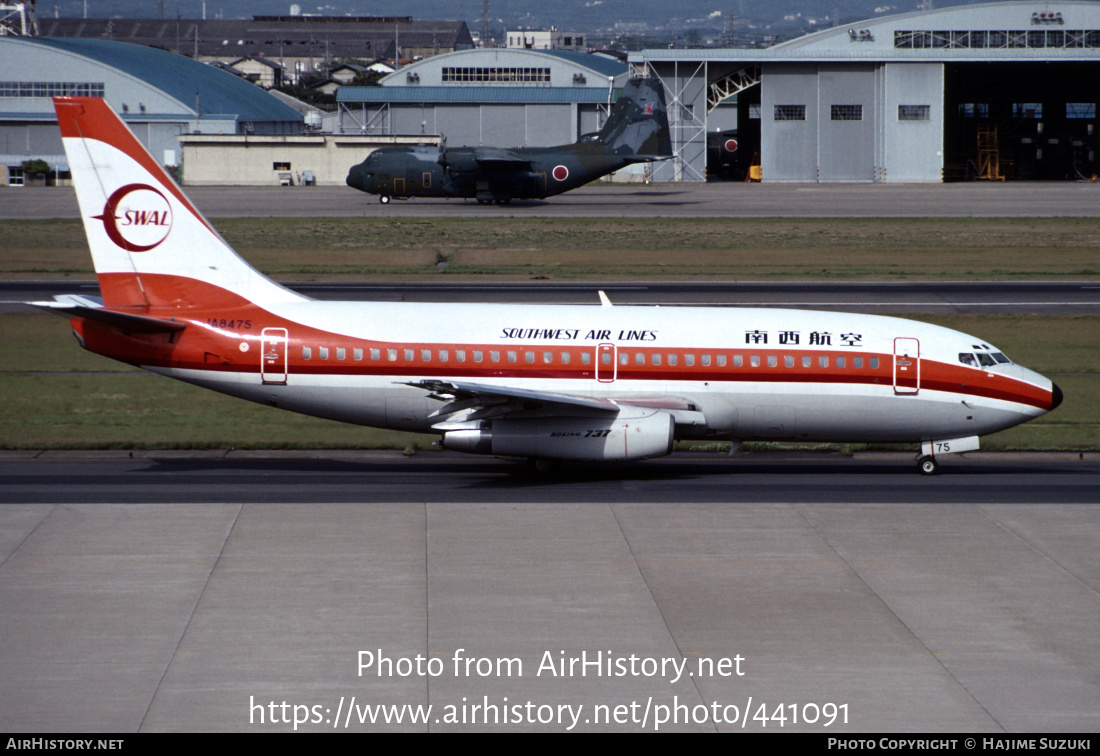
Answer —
983 359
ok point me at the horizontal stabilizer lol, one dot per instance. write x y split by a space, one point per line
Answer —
73 306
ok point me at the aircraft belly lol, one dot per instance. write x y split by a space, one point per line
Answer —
744 411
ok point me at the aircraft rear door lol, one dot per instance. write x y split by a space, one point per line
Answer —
906 366
274 346
607 363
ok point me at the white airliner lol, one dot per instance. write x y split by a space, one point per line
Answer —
543 382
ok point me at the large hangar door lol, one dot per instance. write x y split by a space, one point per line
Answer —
847 123
1021 121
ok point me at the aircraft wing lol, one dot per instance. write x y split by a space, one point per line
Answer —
491 157
74 306
480 401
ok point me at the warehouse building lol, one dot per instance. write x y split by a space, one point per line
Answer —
498 97
997 91
159 94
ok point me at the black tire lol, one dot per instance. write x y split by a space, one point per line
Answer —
384 199
928 465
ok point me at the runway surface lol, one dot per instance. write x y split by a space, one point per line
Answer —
202 591
692 200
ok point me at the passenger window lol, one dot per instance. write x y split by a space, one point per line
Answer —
410 355
624 358
672 359
307 353
426 355
605 358
323 353
655 358
705 360
357 354
639 358
586 357
494 355
391 354
689 359
478 355
772 360
755 360
460 355
857 362
823 361
566 357
512 356
721 360
444 355
340 353
528 357
840 362
807 361
376 354
738 360
788 360
874 363
547 357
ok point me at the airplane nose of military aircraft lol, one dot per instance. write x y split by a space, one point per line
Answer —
358 179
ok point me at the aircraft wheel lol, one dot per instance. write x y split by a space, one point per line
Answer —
928 465
543 466
384 199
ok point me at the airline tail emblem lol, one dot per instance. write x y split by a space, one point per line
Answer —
150 245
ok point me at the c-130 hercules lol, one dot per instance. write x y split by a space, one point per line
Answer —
636 132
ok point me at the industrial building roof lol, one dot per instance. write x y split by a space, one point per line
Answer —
473 94
180 78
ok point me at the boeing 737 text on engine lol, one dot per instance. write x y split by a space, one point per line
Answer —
543 382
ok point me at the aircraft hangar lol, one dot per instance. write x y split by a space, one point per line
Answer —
497 97
996 91
159 94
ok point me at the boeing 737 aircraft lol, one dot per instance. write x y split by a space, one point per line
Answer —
543 382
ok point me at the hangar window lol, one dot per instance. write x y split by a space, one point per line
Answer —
847 112
790 112
973 110
1027 110
754 111
50 89
280 166
914 112
1080 110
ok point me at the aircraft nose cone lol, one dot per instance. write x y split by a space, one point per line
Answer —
355 178
1055 396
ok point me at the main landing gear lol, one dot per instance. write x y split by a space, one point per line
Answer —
928 465
384 199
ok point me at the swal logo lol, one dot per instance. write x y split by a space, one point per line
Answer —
137 217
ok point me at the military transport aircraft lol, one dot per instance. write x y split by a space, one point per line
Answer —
543 382
635 132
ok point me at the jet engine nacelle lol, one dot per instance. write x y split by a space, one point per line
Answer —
575 438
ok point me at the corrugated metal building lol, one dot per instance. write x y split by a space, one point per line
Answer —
1004 90
159 94
498 97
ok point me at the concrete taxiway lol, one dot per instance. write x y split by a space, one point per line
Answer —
241 591
693 200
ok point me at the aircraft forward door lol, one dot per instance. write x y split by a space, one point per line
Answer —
906 366
274 346
607 364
